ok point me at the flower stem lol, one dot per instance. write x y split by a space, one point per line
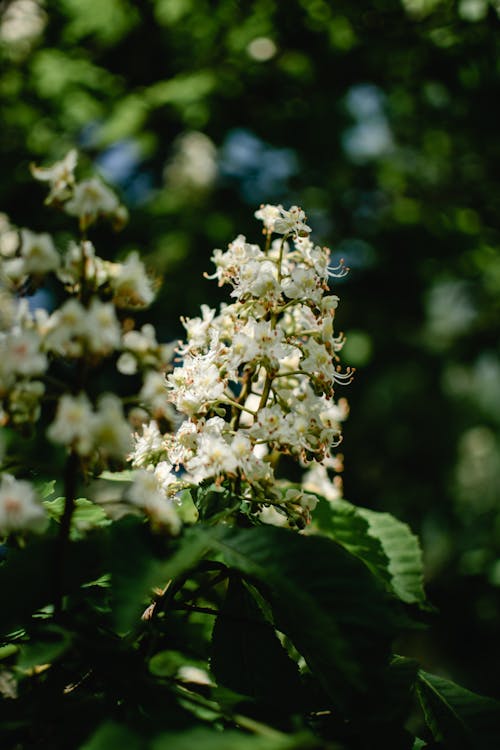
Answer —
70 483
266 391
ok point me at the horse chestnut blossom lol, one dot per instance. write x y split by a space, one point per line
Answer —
256 380
20 507
48 360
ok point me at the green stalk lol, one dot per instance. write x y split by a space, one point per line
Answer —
62 545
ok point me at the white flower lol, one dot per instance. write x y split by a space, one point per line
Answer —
269 425
268 215
22 352
60 176
142 350
126 364
102 327
229 264
130 283
153 395
250 464
198 328
195 385
269 342
303 283
140 342
329 304
14 270
25 401
110 430
317 480
333 414
74 424
291 222
182 445
258 278
213 458
81 260
38 252
149 446
20 509
67 329
166 477
318 361
90 199
145 493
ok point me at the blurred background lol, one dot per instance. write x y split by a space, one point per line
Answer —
381 120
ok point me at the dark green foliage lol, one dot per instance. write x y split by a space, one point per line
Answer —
247 656
319 594
458 718
296 632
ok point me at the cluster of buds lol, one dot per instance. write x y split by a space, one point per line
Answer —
49 357
256 380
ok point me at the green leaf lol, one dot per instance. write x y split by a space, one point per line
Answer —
208 739
46 489
335 612
111 736
191 548
135 572
45 648
459 718
118 476
87 515
186 508
7 651
387 546
403 551
212 500
27 576
168 663
342 521
247 656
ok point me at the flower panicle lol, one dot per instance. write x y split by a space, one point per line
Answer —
256 379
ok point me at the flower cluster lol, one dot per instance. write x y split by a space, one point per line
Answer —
20 509
49 357
256 379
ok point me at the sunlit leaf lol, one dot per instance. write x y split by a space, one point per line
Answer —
86 516
384 543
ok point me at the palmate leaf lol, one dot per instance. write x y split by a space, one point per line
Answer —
384 543
247 655
459 718
335 612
